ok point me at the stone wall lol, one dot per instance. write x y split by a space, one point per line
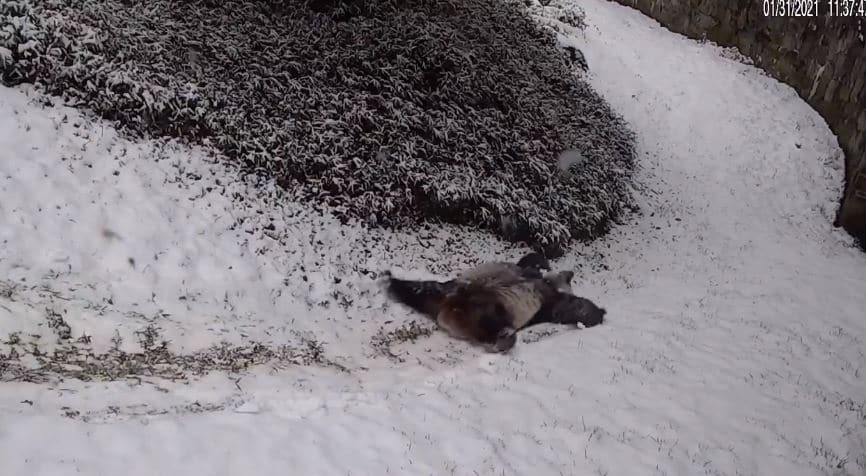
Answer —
823 58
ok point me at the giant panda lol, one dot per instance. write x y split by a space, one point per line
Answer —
488 304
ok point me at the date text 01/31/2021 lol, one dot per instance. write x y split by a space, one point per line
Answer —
814 8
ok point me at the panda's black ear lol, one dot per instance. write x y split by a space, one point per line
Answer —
568 276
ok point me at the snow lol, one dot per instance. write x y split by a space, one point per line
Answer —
735 341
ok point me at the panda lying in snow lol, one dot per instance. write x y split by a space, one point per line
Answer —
488 304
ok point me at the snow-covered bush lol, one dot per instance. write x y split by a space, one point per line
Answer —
568 13
393 112
38 43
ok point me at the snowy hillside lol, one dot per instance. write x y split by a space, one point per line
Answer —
144 331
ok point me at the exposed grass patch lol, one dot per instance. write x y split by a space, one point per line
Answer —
26 362
384 341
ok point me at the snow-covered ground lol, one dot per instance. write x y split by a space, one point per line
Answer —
735 341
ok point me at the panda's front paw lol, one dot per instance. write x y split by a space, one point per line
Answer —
505 340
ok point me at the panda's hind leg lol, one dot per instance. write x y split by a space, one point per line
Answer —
565 308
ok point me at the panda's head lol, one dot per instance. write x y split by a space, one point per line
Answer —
534 261
560 281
